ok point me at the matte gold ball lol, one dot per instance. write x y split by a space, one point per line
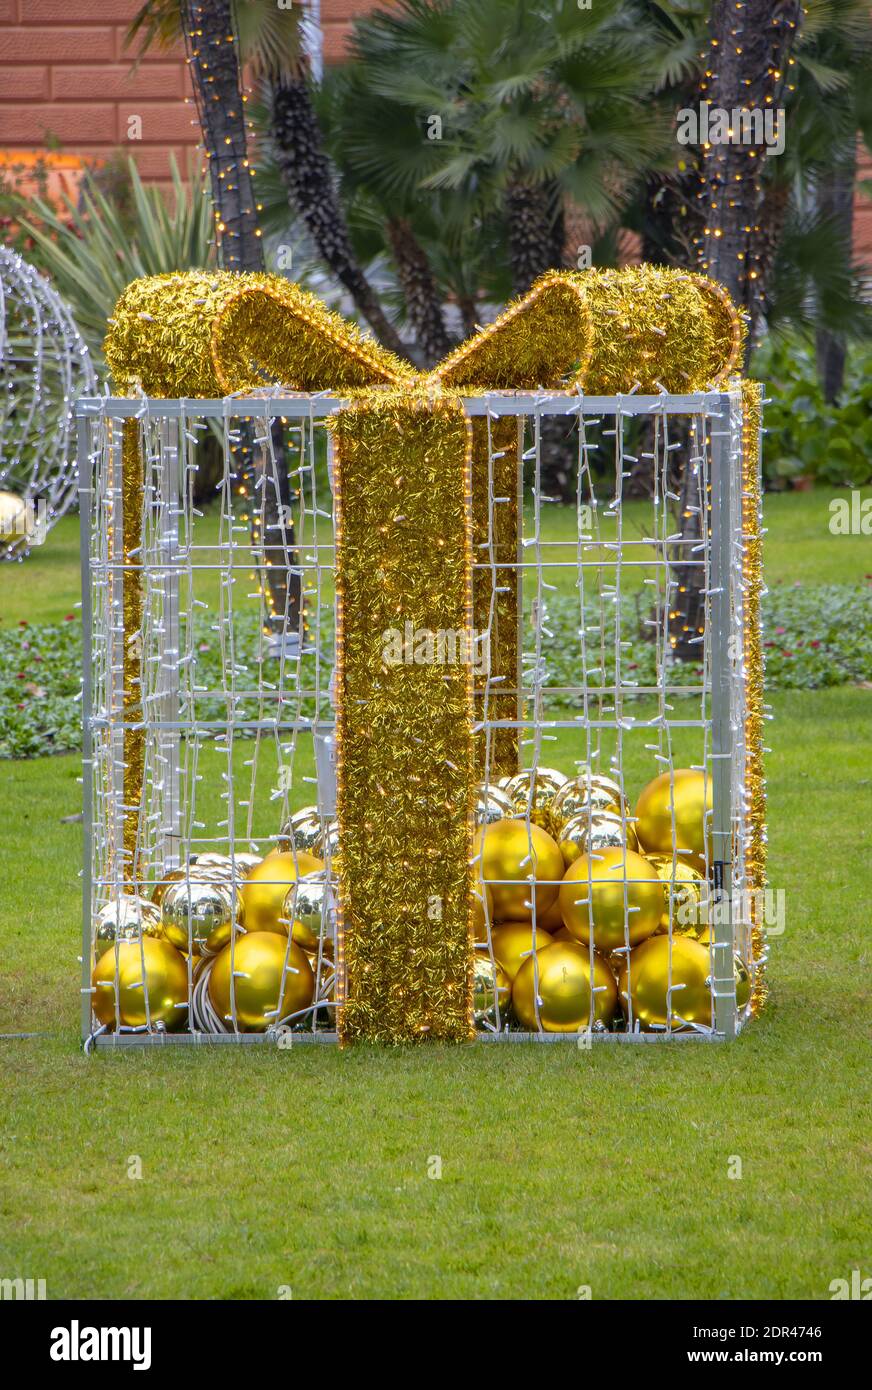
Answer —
258 964
564 990
308 905
510 853
302 830
198 914
692 799
551 920
513 941
164 984
490 984
648 973
265 889
125 918
584 834
690 896
603 878
482 912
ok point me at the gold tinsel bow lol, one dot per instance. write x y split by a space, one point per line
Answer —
410 473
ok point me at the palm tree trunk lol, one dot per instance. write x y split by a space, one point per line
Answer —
835 201
748 63
537 232
537 238
213 52
214 62
420 291
309 179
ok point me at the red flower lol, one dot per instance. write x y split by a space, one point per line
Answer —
814 644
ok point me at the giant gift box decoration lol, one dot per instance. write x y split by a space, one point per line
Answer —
427 477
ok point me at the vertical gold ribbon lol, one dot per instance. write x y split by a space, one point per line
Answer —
755 852
404 719
132 484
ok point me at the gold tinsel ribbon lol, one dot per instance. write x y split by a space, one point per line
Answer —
132 486
755 786
411 501
403 720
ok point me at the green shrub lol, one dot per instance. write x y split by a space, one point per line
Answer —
806 436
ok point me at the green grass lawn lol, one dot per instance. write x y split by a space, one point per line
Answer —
560 1168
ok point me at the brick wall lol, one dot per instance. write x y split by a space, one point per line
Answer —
65 76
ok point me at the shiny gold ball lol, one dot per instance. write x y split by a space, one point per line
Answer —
692 797
482 912
16 518
513 941
509 853
534 789
648 973
198 914
125 918
163 883
164 984
690 896
223 865
743 982
328 844
264 891
609 870
492 803
564 990
302 831
258 964
308 905
490 983
583 834
589 792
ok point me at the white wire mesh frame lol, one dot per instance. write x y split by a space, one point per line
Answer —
718 418
44 366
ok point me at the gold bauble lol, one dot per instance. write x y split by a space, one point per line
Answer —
480 916
589 792
164 984
692 797
743 982
492 803
302 831
16 518
534 790
564 990
264 891
223 865
258 961
511 943
163 883
551 919
198 914
690 896
649 976
608 869
582 834
328 841
489 981
307 905
509 852
126 918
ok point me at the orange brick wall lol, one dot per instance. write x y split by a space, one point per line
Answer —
65 75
